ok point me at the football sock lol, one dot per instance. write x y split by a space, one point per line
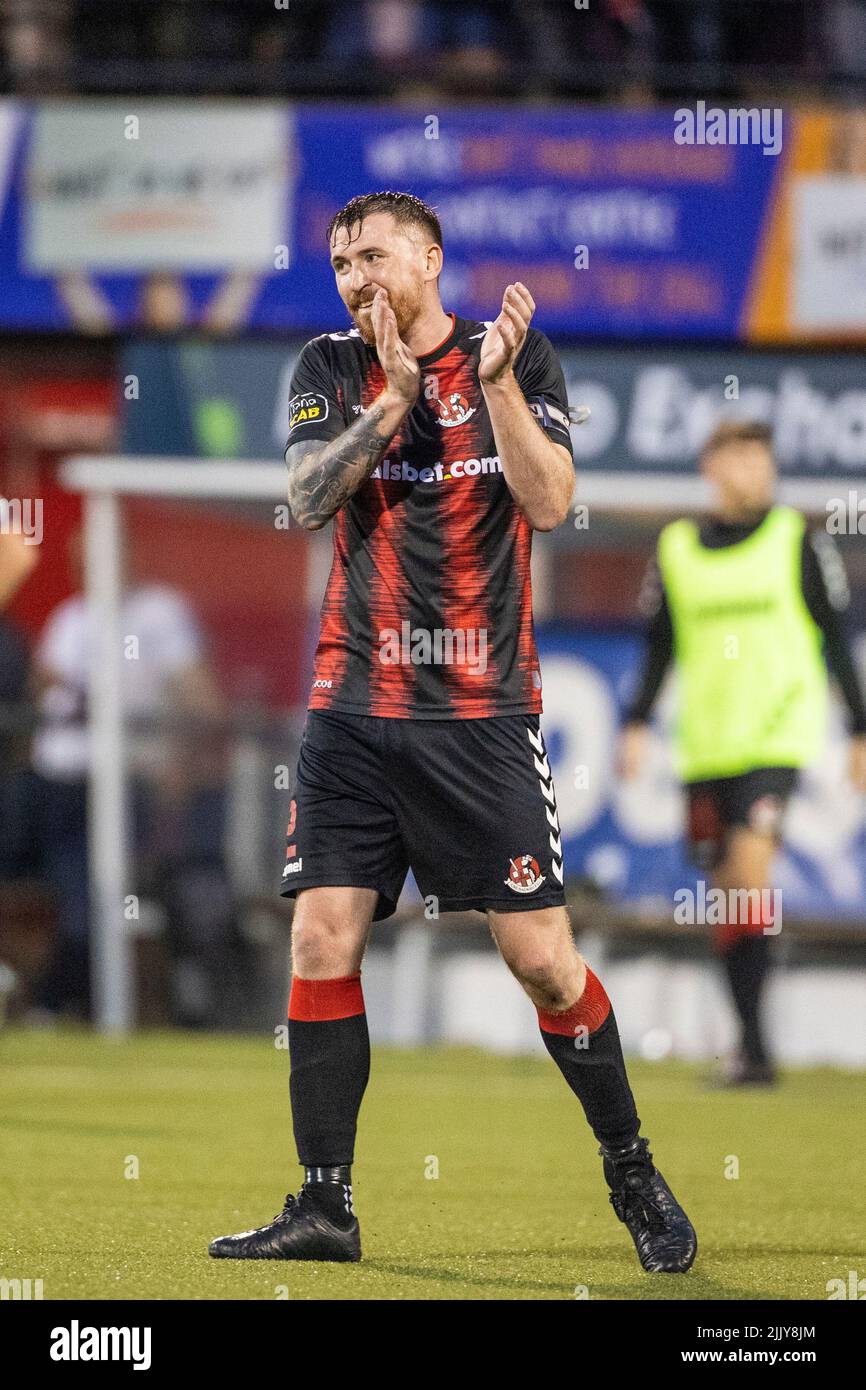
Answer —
750 922
747 963
745 951
331 1190
584 1043
329 1048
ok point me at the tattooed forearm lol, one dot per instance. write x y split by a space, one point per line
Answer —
322 477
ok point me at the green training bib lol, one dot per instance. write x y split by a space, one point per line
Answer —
753 684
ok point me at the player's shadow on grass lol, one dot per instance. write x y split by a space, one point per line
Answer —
693 1286
445 1275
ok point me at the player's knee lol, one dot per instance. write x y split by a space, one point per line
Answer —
553 978
322 948
537 966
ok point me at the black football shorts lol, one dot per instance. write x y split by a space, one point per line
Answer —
468 804
756 800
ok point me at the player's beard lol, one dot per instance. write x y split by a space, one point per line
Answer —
406 305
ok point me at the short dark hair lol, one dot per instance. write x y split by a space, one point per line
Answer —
405 209
738 432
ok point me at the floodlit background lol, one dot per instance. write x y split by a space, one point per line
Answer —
166 172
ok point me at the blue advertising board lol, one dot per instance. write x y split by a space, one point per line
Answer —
211 216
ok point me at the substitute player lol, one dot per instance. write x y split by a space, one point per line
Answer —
437 444
750 606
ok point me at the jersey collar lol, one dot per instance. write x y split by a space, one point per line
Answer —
445 346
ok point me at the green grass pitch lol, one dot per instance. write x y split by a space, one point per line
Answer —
519 1209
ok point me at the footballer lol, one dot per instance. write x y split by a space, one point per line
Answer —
750 607
436 445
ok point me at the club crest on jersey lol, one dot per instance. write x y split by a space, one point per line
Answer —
524 875
452 410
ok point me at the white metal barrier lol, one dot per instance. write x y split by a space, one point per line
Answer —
104 481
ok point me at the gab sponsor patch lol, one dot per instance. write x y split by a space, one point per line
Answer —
307 409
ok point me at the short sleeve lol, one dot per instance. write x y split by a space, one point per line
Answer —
540 378
825 583
651 598
314 407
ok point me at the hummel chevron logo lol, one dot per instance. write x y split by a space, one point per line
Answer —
545 782
536 740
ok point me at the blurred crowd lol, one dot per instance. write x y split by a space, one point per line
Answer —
527 48
180 883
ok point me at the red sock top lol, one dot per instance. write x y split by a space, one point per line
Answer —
319 1001
590 1011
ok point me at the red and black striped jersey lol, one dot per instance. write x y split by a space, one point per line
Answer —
428 608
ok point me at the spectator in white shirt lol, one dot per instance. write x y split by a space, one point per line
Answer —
167 680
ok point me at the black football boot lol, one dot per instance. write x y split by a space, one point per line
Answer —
664 1237
302 1231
